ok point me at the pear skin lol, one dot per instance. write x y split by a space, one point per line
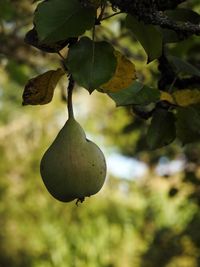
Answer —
73 167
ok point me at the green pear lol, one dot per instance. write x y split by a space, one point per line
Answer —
73 167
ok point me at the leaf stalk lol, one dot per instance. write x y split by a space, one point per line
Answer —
69 98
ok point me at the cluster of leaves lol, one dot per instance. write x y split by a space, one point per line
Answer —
96 65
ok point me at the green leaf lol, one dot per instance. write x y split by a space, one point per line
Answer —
169 36
148 35
31 38
183 67
57 20
162 129
91 63
188 124
183 15
136 94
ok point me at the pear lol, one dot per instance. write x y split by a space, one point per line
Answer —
73 167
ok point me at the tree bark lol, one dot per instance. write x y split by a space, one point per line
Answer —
152 12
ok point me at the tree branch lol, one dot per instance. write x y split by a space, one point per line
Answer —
151 12
159 5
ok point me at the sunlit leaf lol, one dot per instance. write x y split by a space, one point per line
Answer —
187 97
182 98
40 90
148 35
57 20
162 130
124 75
136 94
165 96
91 63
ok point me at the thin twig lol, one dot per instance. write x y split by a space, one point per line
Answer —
60 55
172 84
110 16
103 6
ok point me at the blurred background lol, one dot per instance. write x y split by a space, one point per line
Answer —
146 215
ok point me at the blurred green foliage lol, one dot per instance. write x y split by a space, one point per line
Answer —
149 222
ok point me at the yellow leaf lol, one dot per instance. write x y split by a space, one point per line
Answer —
40 90
124 75
164 96
184 98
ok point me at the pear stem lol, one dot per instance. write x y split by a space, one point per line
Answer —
69 98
